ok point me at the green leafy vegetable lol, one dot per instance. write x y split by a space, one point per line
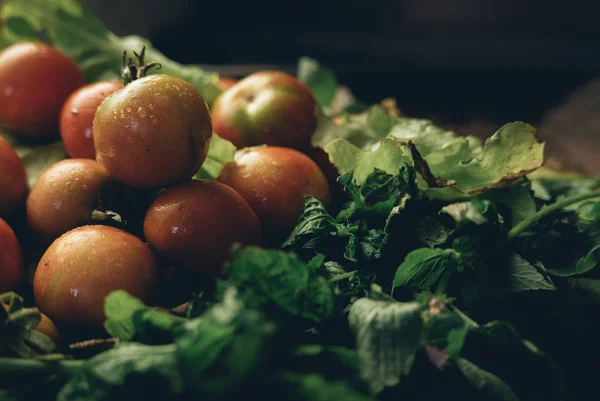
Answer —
320 80
388 335
423 267
220 152
525 277
74 30
486 382
284 279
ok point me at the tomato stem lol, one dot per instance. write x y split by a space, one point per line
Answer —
132 71
99 215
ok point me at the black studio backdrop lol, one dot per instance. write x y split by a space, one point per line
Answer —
455 60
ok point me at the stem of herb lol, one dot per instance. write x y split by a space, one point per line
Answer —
343 276
464 316
20 365
519 228
442 283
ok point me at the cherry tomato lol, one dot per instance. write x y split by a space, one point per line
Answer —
77 117
194 225
11 259
47 327
84 265
35 81
154 132
274 181
65 196
267 107
13 178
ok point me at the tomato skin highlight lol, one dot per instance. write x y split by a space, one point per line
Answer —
84 265
194 225
13 178
154 132
35 81
274 180
11 259
77 117
267 107
64 196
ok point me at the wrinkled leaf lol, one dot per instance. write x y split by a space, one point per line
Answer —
284 279
486 382
388 334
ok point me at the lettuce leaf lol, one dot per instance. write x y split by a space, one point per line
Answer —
375 140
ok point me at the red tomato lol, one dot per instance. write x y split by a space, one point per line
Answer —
274 180
154 132
11 259
35 81
13 178
84 265
267 107
194 225
77 117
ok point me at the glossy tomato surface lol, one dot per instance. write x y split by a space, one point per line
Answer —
65 196
77 117
84 265
13 178
267 107
35 81
194 225
274 181
154 132
11 259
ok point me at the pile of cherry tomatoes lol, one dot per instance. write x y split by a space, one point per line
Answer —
144 139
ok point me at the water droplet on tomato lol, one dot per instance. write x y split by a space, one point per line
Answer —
142 112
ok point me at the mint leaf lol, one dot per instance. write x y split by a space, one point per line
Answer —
523 276
119 308
388 335
318 231
423 267
74 30
284 279
109 371
581 266
320 80
486 382
220 152
129 318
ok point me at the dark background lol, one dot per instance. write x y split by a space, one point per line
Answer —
464 63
